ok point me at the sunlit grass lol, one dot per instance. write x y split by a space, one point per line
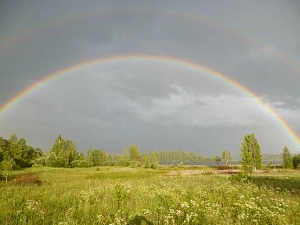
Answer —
118 195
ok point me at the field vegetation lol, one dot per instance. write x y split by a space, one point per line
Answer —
166 195
66 187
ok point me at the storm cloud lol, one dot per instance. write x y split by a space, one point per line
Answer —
154 103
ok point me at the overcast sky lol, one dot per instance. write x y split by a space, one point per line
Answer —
152 103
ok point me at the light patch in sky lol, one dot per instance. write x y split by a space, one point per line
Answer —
187 109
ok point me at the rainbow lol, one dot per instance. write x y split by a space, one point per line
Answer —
154 58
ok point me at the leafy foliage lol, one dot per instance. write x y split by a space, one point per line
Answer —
134 153
154 163
218 159
287 158
22 154
251 158
7 165
63 152
226 156
296 161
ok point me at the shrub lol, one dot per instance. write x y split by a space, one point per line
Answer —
241 176
126 163
296 161
80 164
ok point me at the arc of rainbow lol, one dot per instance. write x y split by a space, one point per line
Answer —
188 16
155 58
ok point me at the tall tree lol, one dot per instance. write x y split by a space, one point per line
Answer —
65 151
251 158
15 150
108 159
58 145
226 155
7 165
125 156
154 163
147 161
98 157
287 158
90 157
51 160
134 153
218 159
4 145
71 151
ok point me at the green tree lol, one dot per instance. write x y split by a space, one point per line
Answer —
134 153
109 159
218 159
15 151
51 160
65 151
226 156
3 147
98 157
90 157
287 158
7 166
125 156
37 153
147 161
71 151
13 139
296 161
251 158
22 154
58 145
81 156
154 163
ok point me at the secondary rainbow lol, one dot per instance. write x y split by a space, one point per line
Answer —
153 58
292 64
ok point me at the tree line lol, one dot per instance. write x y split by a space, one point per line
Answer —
64 153
15 154
251 157
18 152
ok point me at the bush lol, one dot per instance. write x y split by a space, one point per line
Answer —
126 163
296 161
35 165
40 161
51 160
80 164
241 176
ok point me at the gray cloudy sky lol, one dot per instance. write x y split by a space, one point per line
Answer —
154 104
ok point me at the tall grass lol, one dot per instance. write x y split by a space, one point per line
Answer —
114 195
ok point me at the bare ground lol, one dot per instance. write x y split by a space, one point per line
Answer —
197 172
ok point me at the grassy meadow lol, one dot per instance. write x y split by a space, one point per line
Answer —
168 195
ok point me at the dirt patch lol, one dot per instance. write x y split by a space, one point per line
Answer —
27 179
198 172
235 171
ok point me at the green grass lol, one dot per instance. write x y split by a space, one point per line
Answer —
118 195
